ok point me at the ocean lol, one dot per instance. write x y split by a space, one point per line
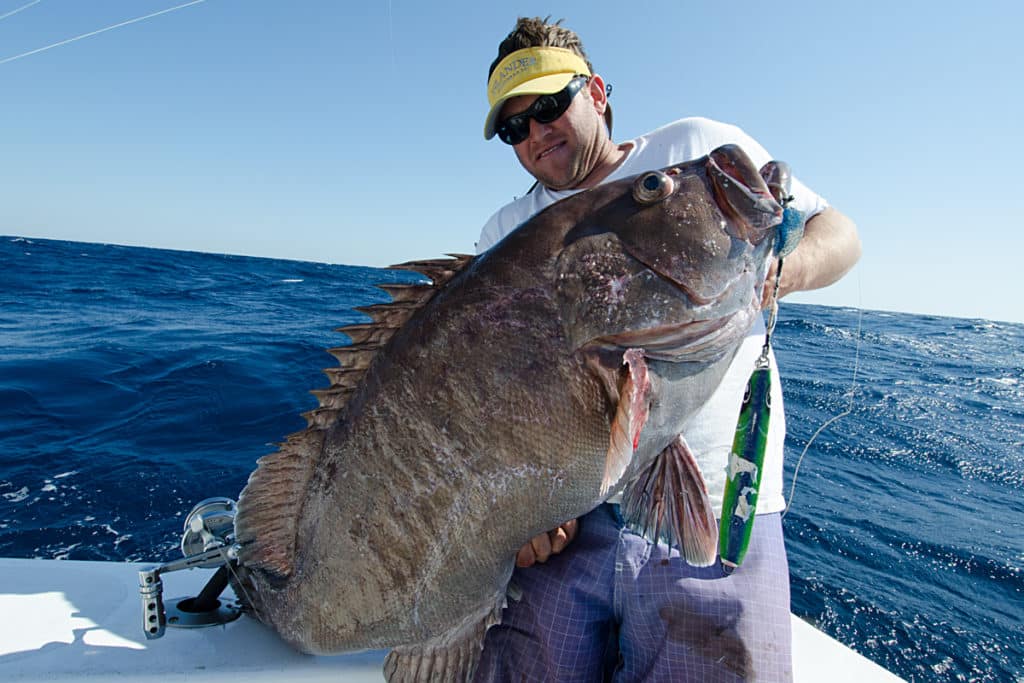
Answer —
136 382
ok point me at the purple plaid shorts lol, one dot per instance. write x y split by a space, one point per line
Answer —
612 607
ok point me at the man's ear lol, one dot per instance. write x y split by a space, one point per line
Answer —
597 93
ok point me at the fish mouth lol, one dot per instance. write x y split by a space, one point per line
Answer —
702 336
702 341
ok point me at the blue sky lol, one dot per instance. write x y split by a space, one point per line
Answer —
351 132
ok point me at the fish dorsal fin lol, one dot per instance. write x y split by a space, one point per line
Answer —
369 338
269 507
440 271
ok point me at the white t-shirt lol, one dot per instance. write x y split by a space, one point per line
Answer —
710 432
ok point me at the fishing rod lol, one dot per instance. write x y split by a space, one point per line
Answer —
90 33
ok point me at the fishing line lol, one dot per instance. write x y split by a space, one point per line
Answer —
849 407
98 31
15 11
241 585
391 36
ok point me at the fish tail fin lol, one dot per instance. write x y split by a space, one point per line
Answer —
269 506
669 501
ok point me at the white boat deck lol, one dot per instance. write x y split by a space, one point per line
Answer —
82 621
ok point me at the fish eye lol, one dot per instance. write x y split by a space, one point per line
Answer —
652 187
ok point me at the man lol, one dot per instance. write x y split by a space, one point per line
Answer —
613 603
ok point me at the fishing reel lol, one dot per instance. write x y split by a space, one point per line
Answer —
207 542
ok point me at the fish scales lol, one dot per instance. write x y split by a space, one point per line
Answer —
487 417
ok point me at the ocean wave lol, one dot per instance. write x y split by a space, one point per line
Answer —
136 382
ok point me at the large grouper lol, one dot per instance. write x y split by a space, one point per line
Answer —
518 389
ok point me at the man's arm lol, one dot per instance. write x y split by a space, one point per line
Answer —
829 248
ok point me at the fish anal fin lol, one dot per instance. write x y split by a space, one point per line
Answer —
451 657
669 501
270 503
630 417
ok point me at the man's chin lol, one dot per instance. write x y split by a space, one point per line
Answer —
556 181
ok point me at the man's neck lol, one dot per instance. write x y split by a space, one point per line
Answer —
610 160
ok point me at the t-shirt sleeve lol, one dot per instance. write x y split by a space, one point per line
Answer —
490 234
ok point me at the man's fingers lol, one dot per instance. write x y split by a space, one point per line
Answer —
562 536
537 550
769 286
542 546
525 557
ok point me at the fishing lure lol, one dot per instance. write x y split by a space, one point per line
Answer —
746 460
744 469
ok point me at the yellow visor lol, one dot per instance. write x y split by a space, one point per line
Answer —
532 71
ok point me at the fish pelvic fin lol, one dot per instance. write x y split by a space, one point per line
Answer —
451 657
630 416
668 501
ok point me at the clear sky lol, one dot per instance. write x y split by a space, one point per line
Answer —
351 132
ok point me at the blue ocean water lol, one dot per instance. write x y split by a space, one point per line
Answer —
136 382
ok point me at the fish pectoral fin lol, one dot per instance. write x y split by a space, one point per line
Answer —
451 657
669 501
630 416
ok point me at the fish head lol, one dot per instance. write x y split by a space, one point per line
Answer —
672 261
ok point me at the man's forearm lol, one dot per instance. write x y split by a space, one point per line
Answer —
829 248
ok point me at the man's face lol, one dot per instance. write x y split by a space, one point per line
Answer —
562 153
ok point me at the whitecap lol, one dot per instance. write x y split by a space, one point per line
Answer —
18 496
64 553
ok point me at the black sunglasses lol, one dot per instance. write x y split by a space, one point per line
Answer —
545 109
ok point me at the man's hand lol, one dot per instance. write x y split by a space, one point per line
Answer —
828 249
543 546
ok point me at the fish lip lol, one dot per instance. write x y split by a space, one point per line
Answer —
702 340
706 338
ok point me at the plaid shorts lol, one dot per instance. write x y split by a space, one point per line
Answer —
612 607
